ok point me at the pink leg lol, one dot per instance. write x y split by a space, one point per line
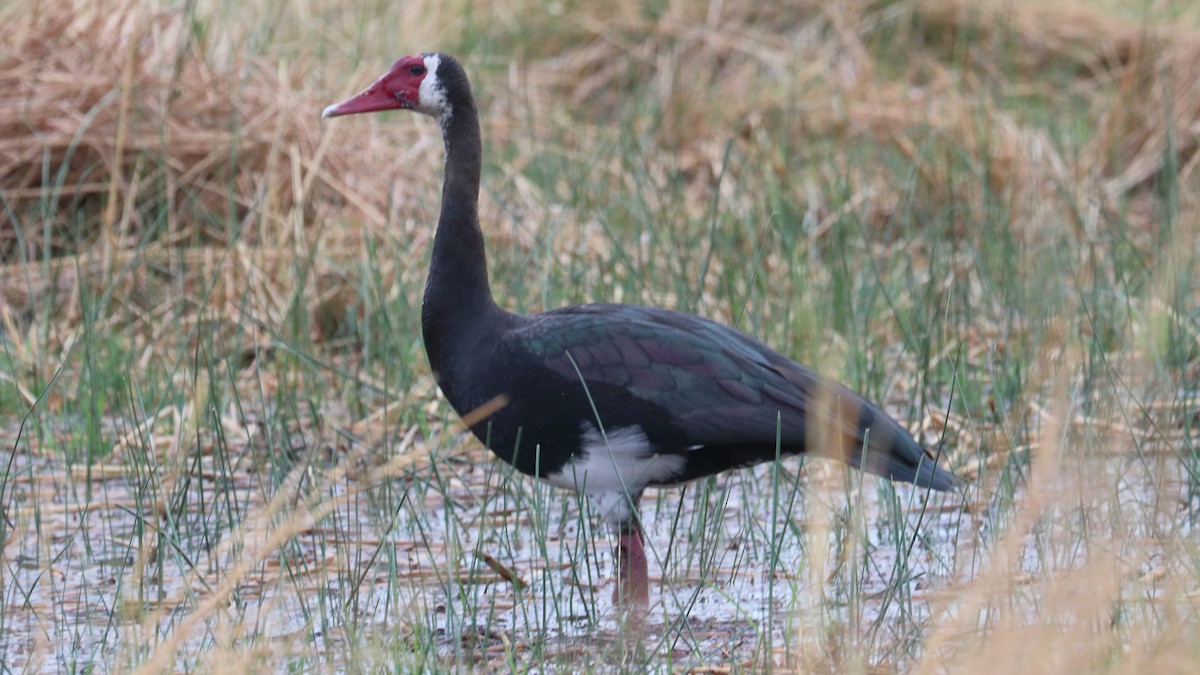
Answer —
633 581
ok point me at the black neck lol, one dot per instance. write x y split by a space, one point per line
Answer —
457 292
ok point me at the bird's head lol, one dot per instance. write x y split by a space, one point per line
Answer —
417 83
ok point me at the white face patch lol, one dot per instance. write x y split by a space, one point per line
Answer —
615 465
431 97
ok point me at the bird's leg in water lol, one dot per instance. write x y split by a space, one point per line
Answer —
633 580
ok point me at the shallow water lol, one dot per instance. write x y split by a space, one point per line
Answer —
109 565
98 570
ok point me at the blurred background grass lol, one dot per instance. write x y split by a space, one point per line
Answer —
983 214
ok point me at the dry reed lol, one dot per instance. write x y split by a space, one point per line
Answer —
130 147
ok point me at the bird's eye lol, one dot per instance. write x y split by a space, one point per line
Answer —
416 70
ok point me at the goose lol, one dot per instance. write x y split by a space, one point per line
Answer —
611 399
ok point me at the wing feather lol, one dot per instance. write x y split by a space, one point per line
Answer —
718 387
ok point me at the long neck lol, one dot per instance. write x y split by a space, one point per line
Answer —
457 293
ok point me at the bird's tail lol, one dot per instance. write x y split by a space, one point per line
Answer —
909 462
873 442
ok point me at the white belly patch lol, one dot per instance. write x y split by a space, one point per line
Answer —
614 466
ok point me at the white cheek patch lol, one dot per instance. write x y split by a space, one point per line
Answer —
431 96
609 468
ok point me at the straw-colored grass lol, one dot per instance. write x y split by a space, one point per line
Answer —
986 214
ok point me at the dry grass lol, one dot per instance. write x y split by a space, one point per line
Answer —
166 183
127 135
139 157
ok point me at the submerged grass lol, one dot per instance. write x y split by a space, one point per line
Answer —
224 449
